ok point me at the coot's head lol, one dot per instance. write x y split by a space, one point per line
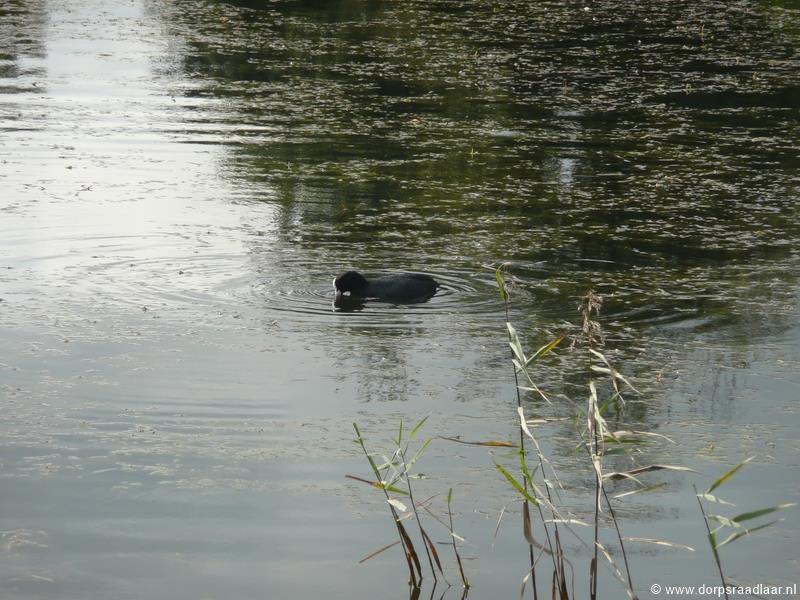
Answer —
351 281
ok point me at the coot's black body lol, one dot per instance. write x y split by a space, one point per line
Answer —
404 287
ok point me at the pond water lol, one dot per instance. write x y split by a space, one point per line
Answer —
180 182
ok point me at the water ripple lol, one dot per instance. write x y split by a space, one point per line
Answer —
459 293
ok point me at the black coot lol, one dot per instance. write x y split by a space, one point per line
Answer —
404 287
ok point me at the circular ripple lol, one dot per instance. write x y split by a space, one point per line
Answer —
462 293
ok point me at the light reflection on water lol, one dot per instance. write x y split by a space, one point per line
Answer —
181 182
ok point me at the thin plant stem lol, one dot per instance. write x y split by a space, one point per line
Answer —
619 537
453 539
531 554
619 533
422 534
712 544
408 550
597 487
590 329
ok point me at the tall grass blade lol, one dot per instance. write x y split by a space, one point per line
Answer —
524 466
717 499
761 512
527 529
516 485
712 538
616 476
453 536
416 428
612 402
611 371
516 345
432 548
723 521
372 464
546 349
378 484
377 552
497 527
529 576
639 470
499 275
659 543
398 505
417 454
624 433
563 578
410 548
523 423
569 522
362 480
643 490
617 451
490 443
628 589
740 534
412 560
728 475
